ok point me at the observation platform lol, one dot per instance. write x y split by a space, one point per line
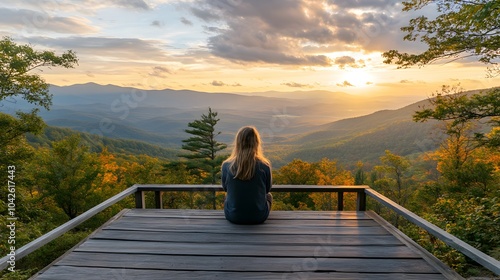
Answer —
201 244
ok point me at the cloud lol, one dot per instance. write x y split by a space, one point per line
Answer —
205 15
133 4
160 71
222 84
345 61
156 23
345 84
353 4
217 83
186 21
30 20
297 85
84 6
289 32
121 48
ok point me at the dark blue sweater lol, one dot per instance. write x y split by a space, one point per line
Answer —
246 199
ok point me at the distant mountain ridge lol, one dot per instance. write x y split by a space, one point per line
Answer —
307 125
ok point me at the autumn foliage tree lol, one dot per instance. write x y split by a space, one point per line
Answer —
68 173
299 172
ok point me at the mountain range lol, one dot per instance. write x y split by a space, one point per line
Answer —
308 125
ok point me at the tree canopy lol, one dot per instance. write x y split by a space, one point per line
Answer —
459 108
16 64
464 28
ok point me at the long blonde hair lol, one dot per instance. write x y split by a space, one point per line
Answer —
247 150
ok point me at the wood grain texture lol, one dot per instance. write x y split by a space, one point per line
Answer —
201 244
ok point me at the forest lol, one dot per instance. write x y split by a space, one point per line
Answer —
49 181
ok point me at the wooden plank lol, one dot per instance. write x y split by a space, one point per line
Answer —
269 222
75 273
217 249
240 263
262 229
219 214
287 239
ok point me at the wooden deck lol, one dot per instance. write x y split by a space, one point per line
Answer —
201 244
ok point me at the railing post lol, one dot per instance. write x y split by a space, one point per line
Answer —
139 199
361 201
158 200
340 201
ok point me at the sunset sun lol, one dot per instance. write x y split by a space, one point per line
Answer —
358 78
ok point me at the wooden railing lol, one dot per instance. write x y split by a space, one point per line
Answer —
340 190
361 191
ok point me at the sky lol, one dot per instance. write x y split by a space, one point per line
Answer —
237 46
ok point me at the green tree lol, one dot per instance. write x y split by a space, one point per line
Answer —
67 175
464 28
16 62
16 79
458 108
394 182
203 159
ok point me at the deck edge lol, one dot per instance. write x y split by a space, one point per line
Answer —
91 235
432 260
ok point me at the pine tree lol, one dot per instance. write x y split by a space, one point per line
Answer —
203 160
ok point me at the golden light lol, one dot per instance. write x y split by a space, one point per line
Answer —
358 77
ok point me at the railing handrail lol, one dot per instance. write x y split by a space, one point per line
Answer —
275 188
452 241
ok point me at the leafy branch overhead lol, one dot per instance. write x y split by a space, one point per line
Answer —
463 29
16 61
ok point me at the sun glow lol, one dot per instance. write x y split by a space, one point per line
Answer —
358 77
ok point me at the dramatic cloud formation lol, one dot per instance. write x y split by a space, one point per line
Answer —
266 45
256 32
